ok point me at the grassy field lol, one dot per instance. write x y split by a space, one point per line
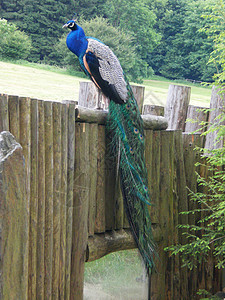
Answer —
51 83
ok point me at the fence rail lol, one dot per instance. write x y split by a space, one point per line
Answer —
73 202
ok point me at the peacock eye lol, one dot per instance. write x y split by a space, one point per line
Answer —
131 150
136 131
141 136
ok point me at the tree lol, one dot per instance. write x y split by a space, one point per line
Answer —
14 44
41 20
137 18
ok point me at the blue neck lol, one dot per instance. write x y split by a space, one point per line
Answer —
76 41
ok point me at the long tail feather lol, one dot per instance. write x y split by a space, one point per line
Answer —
125 127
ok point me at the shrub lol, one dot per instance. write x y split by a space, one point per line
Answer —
14 44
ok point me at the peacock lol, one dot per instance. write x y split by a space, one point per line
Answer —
125 128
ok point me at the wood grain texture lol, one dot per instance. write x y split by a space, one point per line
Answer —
70 193
14 222
177 105
4 116
48 251
80 210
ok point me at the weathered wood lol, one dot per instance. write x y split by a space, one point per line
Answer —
13 220
48 251
154 122
32 263
155 110
165 215
69 200
84 114
182 205
190 141
139 92
110 182
56 197
91 97
100 192
196 115
41 203
93 157
80 210
4 117
13 110
99 117
63 200
217 104
177 105
102 244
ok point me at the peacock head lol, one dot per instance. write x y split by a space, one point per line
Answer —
71 25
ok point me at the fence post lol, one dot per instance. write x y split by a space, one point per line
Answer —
13 220
216 106
89 96
177 105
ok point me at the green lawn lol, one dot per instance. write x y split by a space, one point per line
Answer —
49 83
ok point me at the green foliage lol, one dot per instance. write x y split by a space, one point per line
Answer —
207 237
215 30
120 42
14 44
41 20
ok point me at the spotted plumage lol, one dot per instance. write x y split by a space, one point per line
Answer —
125 129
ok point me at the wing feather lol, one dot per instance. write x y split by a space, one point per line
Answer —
105 71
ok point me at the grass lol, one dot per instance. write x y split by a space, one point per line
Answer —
52 83
118 275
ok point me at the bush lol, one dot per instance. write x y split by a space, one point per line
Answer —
14 44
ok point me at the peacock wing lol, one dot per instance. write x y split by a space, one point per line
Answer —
105 71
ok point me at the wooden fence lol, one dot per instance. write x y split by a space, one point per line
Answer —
71 210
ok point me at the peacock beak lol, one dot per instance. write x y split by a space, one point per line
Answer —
65 25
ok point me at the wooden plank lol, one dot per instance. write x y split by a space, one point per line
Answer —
110 182
32 263
100 193
41 202
154 186
56 196
63 200
177 105
14 128
4 117
190 141
69 201
182 205
14 222
25 141
165 217
48 200
80 211
93 157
